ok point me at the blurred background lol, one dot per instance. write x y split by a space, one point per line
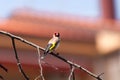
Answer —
90 37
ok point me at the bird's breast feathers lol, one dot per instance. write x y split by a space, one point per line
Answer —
55 43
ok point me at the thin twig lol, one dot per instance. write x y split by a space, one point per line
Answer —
71 73
1 77
4 68
55 55
18 62
37 77
40 65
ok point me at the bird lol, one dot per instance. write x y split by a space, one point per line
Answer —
52 45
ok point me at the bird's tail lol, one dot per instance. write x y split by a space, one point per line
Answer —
44 54
46 51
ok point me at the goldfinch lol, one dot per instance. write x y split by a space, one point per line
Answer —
52 44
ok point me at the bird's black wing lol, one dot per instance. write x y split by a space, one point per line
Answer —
46 50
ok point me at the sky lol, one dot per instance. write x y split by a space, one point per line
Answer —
117 8
87 8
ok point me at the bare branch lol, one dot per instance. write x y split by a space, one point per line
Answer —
20 39
1 77
40 65
76 65
55 55
71 73
18 62
4 68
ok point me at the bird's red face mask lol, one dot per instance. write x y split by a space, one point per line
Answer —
57 34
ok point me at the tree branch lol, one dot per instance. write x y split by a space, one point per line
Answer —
54 54
72 73
18 62
77 66
4 68
1 77
40 65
